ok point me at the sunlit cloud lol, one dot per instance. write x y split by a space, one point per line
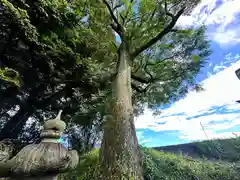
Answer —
217 15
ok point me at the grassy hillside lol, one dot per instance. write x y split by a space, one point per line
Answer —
219 149
160 166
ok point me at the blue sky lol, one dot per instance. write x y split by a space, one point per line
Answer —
215 108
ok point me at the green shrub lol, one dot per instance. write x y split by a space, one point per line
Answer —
165 166
159 166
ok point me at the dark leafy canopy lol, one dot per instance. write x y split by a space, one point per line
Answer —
54 53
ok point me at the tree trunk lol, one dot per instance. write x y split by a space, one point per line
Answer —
120 156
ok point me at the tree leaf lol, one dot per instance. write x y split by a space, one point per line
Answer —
185 31
165 46
196 58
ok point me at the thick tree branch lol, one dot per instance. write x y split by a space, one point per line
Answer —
175 75
166 10
159 36
117 26
137 68
139 89
118 6
151 79
147 71
141 79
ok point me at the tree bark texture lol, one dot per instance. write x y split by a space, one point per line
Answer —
120 157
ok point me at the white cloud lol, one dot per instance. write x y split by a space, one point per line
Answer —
146 119
222 89
223 15
218 68
219 17
226 37
210 135
228 59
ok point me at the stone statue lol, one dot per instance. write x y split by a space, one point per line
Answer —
40 161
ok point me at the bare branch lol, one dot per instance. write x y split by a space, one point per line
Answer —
160 35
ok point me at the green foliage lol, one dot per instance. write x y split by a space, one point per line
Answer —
166 166
64 55
10 76
220 149
87 168
160 166
20 18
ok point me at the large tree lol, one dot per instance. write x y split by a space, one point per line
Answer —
48 46
155 63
